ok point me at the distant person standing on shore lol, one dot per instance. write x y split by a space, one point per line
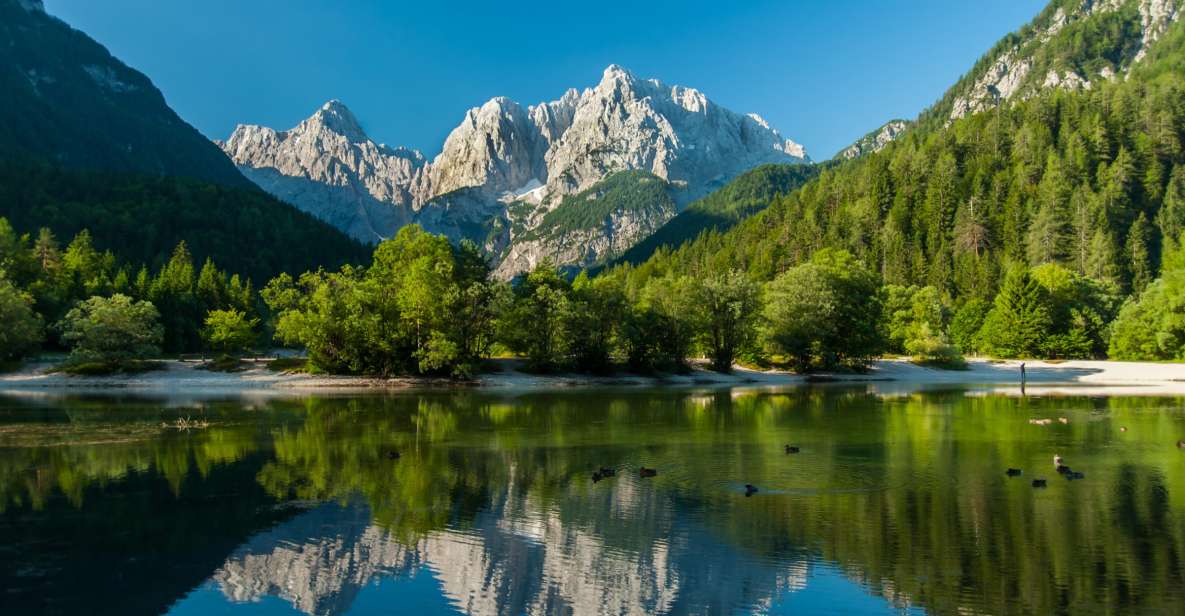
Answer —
1022 372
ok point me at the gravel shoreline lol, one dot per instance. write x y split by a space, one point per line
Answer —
887 376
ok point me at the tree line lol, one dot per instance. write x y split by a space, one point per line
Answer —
84 299
1045 228
425 306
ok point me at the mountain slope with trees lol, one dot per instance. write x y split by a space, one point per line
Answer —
68 102
744 196
1090 182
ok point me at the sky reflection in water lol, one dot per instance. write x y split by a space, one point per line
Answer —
895 504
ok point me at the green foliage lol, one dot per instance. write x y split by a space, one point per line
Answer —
742 197
536 322
596 311
624 192
660 330
143 218
917 321
106 368
1152 325
20 327
57 280
965 326
229 331
224 363
422 307
112 329
1081 309
1019 319
288 364
729 305
1089 180
824 313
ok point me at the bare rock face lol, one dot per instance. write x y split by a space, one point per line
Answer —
874 141
1014 71
327 166
504 158
676 133
496 148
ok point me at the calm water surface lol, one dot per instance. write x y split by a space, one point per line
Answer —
896 504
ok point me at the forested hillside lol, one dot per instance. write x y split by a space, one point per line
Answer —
744 196
67 101
1092 180
141 219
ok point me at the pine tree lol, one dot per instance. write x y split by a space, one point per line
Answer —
1171 218
1139 255
1020 318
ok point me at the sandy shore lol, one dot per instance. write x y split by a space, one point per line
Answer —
886 376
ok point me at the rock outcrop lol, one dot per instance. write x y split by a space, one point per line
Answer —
874 141
506 166
1017 68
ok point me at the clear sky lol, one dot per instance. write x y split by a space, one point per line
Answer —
822 72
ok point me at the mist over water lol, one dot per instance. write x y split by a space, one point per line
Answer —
485 503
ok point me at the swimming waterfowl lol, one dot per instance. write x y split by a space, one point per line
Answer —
1181 444
1075 475
1057 460
597 476
1063 469
392 455
1064 420
750 489
1123 428
1013 472
608 472
647 472
1038 483
791 449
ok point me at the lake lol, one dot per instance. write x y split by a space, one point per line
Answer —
485 503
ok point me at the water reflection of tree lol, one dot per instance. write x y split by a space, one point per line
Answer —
906 494
925 514
75 445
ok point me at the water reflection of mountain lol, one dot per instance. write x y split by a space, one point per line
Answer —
490 504
509 561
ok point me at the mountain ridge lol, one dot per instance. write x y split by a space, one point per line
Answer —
504 153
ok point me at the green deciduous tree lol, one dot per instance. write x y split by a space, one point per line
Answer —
536 323
112 328
422 307
729 305
229 331
20 327
824 313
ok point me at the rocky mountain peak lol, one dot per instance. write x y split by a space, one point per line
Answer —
335 117
504 161
874 141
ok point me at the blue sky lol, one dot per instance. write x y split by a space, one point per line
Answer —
823 72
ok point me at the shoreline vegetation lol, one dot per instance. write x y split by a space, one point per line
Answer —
425 311
194 377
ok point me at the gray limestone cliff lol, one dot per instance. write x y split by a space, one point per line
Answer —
506 166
